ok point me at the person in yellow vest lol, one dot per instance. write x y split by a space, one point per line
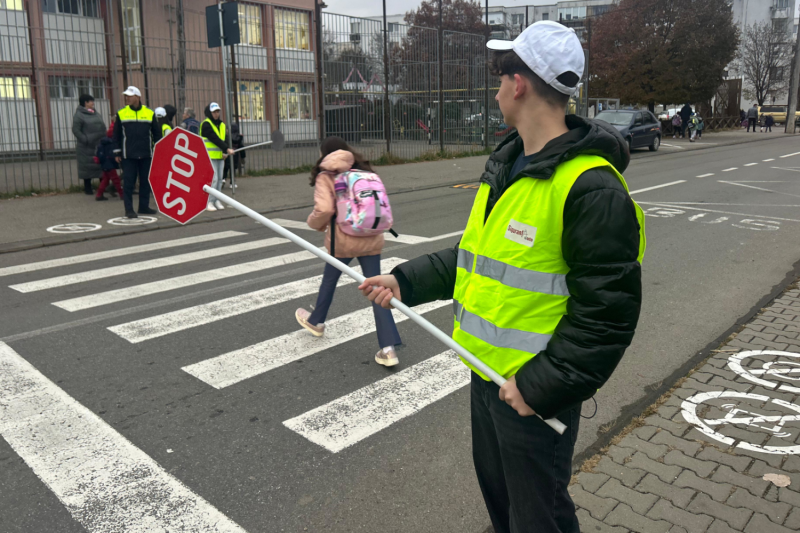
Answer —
545 282
214 133
135 132
164 115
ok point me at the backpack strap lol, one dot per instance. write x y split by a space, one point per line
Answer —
333 235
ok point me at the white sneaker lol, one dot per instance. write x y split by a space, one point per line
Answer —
387 357
210 207
219 205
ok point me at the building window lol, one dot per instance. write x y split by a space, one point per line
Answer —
545 16
779 25
132 30
571 13
84 8
251 100
12 5
600 10
394 27
294 101
16 87
66 87
250 24
782 4
517 19
291 29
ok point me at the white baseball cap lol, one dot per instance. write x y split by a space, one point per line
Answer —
132 91
161 112
549 49
213 107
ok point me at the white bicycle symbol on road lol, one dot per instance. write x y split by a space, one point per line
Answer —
777 370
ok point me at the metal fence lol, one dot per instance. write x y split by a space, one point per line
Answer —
406 92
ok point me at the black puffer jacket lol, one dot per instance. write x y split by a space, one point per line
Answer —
600 243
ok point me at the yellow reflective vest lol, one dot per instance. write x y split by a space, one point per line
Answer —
214 151
511 288
165 129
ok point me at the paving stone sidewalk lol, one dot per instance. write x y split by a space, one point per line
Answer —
716 454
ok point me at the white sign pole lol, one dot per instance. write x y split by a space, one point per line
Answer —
251 146
554 423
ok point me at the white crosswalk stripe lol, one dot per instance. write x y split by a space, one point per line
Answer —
354 417
104 481
158 326
91 275
119 252
147 289
403 239
231 368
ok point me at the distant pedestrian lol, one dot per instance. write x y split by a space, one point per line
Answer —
165 115
135 132
190 123
676 126
742 116
105 157
752 118
695 126
88 128
213 131
337 157
685 113
768 123
233 164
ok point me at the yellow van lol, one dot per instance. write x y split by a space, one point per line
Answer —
777 112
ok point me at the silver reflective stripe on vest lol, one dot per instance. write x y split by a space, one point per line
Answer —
500 337
465 259
457 309
520 278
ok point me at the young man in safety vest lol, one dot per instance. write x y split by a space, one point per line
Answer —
135 132
546 281
212 129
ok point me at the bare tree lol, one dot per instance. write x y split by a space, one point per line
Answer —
765 56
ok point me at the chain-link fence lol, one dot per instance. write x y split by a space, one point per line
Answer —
405 92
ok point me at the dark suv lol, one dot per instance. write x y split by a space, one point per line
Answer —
640 128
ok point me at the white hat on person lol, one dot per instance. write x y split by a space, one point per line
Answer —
549 49
160 112
213 107
132 91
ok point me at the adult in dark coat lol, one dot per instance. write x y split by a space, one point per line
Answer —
88 128
685 113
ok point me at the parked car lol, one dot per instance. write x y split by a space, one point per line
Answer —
640 128
777 112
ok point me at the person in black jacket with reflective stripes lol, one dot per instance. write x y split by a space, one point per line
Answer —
523 467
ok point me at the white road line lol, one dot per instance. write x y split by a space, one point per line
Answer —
354 417
232 367
658 186
751 164
729 169
790 155
758 188
77 259
190 317
124 270
679 205
767 160
789 169
105 482
147 289
705 175
403 239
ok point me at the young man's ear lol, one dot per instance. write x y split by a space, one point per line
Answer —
520 86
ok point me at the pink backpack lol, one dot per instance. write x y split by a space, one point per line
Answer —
362 205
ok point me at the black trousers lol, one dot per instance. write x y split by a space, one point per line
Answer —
131 169
523 466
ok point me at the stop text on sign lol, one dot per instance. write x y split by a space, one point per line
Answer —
181 145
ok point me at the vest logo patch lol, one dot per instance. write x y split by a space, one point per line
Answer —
521 233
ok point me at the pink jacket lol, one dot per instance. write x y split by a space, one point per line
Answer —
325 207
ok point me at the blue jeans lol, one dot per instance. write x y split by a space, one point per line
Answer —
523 466
384 321
131 169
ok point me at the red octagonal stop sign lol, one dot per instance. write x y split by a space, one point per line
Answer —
180 168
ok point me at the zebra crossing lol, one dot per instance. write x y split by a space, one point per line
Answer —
334 426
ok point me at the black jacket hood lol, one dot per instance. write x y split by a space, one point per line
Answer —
585 137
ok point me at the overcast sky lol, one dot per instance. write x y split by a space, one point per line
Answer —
369 8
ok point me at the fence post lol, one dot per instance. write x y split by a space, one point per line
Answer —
441 75
144 58
181 100
123 52
486 83
320 74
387 115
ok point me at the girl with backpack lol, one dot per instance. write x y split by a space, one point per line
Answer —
676 126
339 173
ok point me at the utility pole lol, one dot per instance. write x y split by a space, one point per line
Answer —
387 115
486 84
441 75
793 84
181 100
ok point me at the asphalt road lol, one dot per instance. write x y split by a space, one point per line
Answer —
202 408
